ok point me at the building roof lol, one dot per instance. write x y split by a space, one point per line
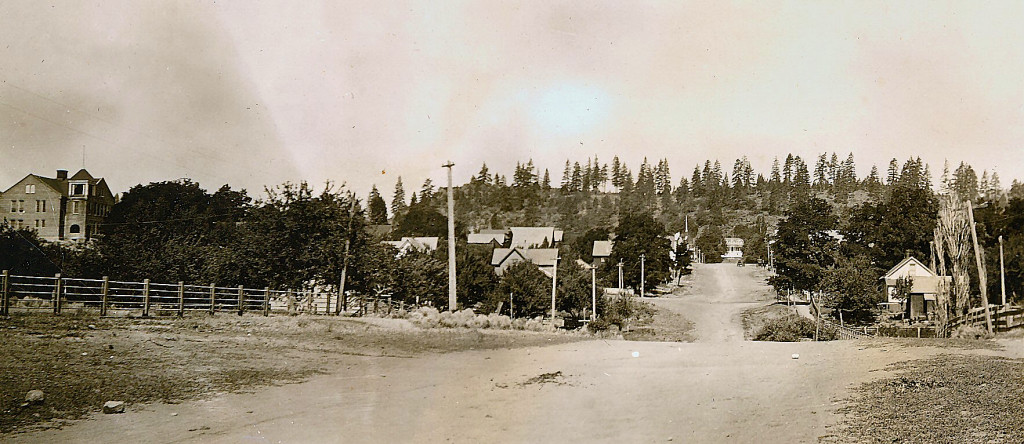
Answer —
892 271
543 257
485 238
82 174
61 187
500 231
602 249
415 243
733 242
533 237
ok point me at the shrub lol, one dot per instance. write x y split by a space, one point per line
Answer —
788 328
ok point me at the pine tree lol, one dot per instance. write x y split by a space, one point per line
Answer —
546 183
926 176
944 180
893 174
833 169
576 183
802 177
378 210
586 175
616 173
787 170
822 171
398 201
483 176
427 190
566 183
696 184
776 177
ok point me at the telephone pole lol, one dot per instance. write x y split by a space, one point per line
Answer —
452 306
593 291
554 287
620 277
642 276
1002 272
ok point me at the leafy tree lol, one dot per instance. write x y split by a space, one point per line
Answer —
886 231
852 287
574 290
682 262
529 288
422 220
583 246
804 245
711 243
21 252
639 234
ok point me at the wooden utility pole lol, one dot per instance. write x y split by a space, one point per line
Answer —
620 277
1002 273
452 305
980 259
642 275
593 291
554 288
342 300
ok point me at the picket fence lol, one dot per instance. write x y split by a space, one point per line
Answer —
56 294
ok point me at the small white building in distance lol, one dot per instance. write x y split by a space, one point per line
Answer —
421 244
602 250
733 248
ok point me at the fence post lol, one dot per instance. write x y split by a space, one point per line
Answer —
213 298
57 294
104 290
181 299
5 298
145 297
241 300
291 302
266 301
327 307
389 304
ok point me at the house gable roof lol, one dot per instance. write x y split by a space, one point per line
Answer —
533 237
82 174
485 238
892 271
602 249
542 257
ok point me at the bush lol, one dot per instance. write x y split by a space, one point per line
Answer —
622 311
788 328
429 317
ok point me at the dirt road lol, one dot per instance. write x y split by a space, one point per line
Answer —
715 297
721 389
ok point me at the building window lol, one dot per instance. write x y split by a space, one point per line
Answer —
40 223
75 229
74 207
14 206
21 206
40 206
78 189
30 189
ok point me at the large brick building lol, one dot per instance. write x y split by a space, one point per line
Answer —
59 208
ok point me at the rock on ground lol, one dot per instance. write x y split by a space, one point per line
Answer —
35 397
113 407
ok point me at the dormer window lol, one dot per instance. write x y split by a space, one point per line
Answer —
78 189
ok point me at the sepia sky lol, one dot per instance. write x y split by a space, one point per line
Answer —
255 93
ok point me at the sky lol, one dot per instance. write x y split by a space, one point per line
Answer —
255 93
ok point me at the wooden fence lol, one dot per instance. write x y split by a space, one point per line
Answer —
56 294
1004 318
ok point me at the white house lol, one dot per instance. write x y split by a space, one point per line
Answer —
924 286
733 248
544 258
421 244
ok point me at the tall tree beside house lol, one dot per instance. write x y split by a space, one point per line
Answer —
398 205
886 231
170 231
377 208
527 286
639 234
804 247
851 286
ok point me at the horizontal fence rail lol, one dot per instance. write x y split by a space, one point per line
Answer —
1004 318
27 294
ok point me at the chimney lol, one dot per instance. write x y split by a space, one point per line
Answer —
62 174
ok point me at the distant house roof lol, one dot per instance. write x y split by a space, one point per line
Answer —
602 249
422 244
734 242
493 231
486 238
544 258
533 237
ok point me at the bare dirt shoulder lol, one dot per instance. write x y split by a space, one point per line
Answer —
82 362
